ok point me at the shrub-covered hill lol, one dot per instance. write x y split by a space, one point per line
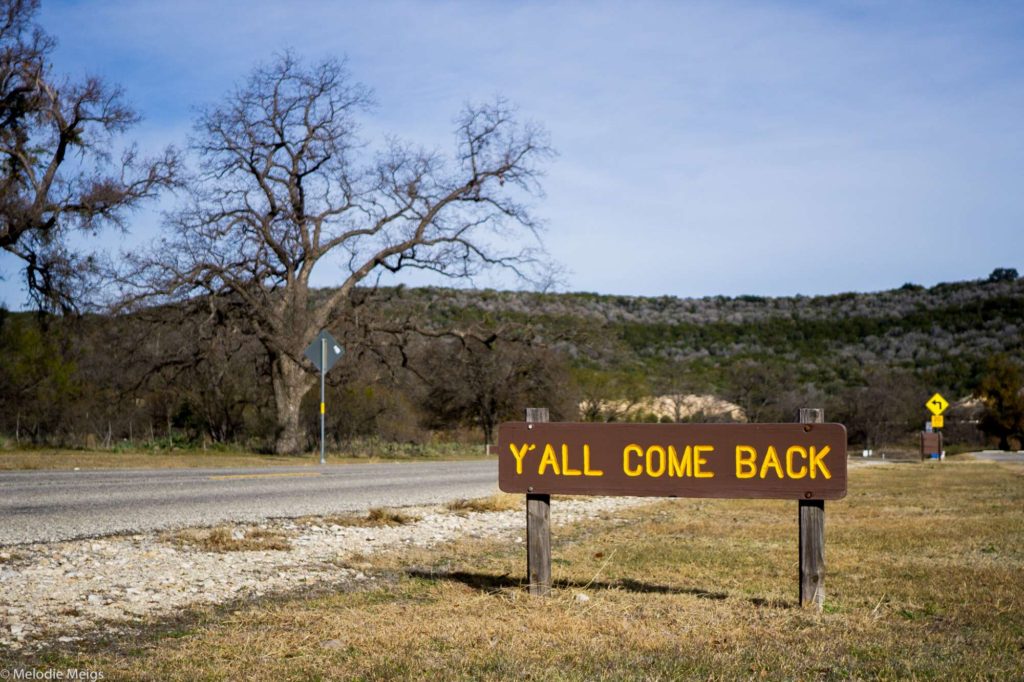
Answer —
870 359
943 334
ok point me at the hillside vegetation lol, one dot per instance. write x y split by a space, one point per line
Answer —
431 364
944 333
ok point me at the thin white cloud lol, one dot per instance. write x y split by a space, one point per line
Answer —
705 148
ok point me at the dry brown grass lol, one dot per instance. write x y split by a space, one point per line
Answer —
49 458
492 503
229 539
143 459
375 517
389 517
924 582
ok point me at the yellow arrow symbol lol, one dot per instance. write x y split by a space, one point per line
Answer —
936 404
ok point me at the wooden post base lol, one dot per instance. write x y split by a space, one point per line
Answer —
812 536
538 529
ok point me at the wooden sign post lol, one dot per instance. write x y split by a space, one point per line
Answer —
803 461
931 444
538 527
812 536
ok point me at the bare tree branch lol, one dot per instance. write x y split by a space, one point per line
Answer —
42 121
286 184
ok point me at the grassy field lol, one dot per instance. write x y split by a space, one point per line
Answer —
164 458
925 576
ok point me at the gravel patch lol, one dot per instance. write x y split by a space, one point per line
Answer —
55 592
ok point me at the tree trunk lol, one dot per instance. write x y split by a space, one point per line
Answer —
291 383
487 410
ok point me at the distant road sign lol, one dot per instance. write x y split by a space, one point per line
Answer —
936 404
325 351
937 421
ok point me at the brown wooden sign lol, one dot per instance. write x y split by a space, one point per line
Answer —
931 443
785 461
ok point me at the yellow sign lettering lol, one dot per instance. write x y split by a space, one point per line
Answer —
771 460
680 467
548 459
519 454
746 461
816 462
587 471
699 461
783 461
651 469
626 452
790 471
566 470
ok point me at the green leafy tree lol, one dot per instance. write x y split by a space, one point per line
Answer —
36 382
1003 275
1002 391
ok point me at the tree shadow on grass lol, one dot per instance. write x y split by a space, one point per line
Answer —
488 582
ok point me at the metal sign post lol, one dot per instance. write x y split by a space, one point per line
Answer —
323 411
324 352
931 439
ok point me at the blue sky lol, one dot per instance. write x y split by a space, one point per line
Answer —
704 148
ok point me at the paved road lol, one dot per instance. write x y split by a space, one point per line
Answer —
999 456
42 506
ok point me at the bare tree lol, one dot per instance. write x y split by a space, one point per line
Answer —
286 185
762 388
884 410
45 192
481 384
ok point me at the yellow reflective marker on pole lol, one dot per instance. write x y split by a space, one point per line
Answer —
937 404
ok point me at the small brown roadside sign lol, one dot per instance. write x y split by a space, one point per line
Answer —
931 444
783 461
